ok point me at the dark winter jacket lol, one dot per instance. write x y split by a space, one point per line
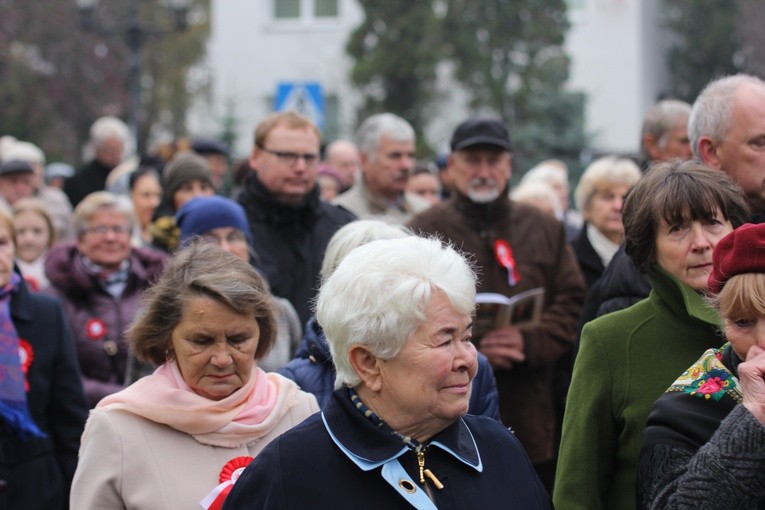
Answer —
544 259
620 287
312 369
340 459
588 259
87 304
90 178
291 240
36 474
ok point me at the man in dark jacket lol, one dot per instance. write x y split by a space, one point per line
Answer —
290 225
515 248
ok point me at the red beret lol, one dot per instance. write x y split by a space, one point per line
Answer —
741 251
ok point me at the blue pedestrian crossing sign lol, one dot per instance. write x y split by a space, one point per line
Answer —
304 97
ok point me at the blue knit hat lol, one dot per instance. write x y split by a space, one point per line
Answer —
202 214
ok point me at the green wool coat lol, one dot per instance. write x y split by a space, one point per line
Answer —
626 360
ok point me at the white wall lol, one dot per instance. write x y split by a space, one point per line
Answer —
617 49
613 45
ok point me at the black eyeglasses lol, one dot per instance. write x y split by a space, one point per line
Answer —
291 158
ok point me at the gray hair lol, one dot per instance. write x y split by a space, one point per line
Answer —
660 119
103 129
533 192
378 294
547 172
354 234
604 172
711 112
98 201
373 128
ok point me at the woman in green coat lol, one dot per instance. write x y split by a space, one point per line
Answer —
673 218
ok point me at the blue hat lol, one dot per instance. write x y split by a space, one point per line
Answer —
202 214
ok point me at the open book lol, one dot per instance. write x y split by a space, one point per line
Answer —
494 311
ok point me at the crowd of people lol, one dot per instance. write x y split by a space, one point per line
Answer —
298 329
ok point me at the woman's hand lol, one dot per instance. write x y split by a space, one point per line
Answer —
504 347
751 376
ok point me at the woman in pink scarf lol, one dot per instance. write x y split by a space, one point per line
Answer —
179 438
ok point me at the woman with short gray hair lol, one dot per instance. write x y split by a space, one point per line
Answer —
99 279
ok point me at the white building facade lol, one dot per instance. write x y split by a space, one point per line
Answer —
258 46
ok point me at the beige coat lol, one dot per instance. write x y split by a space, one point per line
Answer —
366 206
129 462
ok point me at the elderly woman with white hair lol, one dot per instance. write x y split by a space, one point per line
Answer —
600 195
313 369
398 318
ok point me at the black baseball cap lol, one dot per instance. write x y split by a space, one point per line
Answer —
481 131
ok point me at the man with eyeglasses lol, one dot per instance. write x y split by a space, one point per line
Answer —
290 225
387 148
515 248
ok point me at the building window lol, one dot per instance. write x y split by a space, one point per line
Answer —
325 8
286 9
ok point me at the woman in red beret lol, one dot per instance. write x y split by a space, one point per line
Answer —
704 443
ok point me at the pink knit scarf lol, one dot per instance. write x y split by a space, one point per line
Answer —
245 415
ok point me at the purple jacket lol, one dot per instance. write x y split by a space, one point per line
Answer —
96 318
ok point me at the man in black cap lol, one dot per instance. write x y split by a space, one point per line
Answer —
516 248
216 154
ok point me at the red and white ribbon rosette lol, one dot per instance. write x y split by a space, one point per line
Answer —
26 356
228 477
504 255
95 329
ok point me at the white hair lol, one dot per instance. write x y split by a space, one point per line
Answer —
24 151
549 172
103 129
354 234
378 294
537 192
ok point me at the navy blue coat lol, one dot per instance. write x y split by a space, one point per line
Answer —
290 241
312 369
340 459
37 474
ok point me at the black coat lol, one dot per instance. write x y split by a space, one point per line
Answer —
588 259
37 474
90 178
480 463
291 241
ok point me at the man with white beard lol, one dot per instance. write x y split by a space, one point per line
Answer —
516 248
387 149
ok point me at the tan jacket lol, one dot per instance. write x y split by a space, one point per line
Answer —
366 206
130 462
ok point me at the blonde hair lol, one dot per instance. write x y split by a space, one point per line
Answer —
37 206
604 173
742 297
